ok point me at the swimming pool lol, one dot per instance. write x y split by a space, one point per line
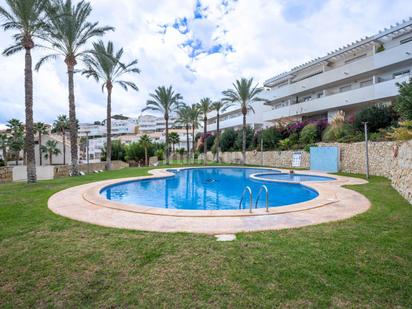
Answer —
205 189
291 177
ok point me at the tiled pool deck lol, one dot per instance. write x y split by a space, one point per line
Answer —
334 203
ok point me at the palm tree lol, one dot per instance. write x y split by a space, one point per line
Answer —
219 106
26 17
184 119
205 106
16 139
174 139
145 141
244 93
60 125
50 150
3 145
166 101
40 128
69 31
104 64
194 118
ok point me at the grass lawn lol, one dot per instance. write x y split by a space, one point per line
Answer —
50 261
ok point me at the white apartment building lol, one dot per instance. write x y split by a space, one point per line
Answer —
350 78
150 124
119 127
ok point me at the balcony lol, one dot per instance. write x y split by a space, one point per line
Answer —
378 91
378 61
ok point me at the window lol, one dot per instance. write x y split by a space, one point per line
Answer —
308 98
345 88
366 83
355 58
401 74
406 40
320 94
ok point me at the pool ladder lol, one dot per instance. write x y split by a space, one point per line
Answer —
249 190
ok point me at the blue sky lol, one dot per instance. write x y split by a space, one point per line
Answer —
200 47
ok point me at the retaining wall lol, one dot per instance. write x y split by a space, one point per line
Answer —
6 174
389 159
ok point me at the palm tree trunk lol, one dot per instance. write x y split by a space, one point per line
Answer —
40 158
64 147
109 128
29 140
244 140
50 158
217 137
193 143
167 139
204 140
73 122
145 156
187 144
17 154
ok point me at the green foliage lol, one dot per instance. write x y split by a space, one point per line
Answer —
377 117
2 162
160 154
118 151
309 134
307 147
239 139
403 104
380 48
227 140
271 137
210 142
285 144
403 132
337 132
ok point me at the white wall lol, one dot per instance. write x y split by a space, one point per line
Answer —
42 172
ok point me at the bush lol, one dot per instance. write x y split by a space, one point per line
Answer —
404 132
271 138
160 154
334 133
210 142
118 151
377 117
403 104
307 147
227 140
309 134
2 163
135 152
239 139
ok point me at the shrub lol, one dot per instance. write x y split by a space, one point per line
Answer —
309 134
307 147
118 151
403 104
210 142
227 140
377 117
160 154
2 163
404 132
239 139
271 138
285 144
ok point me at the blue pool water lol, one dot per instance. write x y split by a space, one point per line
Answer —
206 189
294 177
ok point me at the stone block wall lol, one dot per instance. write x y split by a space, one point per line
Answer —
6 174
64 170
389 159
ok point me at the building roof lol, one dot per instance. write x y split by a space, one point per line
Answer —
393 31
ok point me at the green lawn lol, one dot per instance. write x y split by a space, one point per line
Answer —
50 261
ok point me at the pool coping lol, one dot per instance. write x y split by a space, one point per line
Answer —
326 196
345 203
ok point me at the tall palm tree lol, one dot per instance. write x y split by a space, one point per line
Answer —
195 120
26 18
69 31
219 106
16 139
244 94
40 128
104 64
174 139
205 106
61 125
166 101
50 150
145 141
184 119
3 145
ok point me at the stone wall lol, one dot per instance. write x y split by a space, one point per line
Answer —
64 170
6 174
389 159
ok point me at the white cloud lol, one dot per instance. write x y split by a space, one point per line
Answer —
257 38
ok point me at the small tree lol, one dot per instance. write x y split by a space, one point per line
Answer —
377 117
403 104
50 149
16 139
146 142
309 134
174 139
40 128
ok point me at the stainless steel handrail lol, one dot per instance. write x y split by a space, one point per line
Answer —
247 189
263 187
